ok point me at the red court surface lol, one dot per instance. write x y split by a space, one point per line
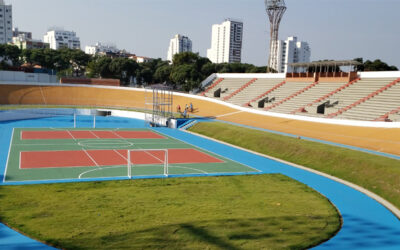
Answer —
92 134
96 158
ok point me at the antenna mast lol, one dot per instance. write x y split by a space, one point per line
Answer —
275 10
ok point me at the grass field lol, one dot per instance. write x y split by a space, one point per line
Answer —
240 212
378 174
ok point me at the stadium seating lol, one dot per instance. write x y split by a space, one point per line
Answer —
227 86
253 91
377 103
284 92
300 100
226 98
359 99
212 87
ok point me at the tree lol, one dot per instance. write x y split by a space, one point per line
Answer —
123 69
99 67
10 54
163 73
376 65
185 58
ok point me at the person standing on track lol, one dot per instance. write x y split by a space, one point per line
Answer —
191 107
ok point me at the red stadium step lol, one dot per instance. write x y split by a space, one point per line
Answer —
88 134
98 158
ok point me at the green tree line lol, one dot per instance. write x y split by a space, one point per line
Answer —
186 71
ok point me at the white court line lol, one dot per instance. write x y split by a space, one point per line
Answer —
8 156
120 154
94 134
71 135
195 169
100 168
117 135
155 157
97 165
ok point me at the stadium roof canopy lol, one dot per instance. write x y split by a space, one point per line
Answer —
325 63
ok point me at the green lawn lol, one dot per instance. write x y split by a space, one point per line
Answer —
378 174
241 212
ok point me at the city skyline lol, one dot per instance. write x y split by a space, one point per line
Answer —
335 29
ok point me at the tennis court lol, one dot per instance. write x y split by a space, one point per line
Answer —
38 154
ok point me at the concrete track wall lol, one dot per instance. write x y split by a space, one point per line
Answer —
360 134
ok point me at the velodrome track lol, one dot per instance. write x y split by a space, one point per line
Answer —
366 223
378 139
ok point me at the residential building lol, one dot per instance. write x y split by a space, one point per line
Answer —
226 42
59 38
291 51
22 35
6 32
29 43
100 48
177 45
141 59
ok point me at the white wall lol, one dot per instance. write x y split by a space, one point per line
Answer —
18 76
379 74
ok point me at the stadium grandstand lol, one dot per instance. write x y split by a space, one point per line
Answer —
324 93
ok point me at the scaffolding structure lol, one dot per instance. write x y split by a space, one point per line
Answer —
275 10
159 101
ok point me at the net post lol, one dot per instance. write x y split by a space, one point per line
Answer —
166 163
94 121
74 120
129 165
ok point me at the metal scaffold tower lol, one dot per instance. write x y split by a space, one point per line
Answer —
159 102
275 10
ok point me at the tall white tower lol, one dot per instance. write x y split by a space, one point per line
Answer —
6 30
226 42
178 44
275 10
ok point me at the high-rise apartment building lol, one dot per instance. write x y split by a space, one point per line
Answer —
100 48
177 45
291 51
6 32
59 38
226 42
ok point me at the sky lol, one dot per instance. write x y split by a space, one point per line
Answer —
334 29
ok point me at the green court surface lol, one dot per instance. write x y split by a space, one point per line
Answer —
68 154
